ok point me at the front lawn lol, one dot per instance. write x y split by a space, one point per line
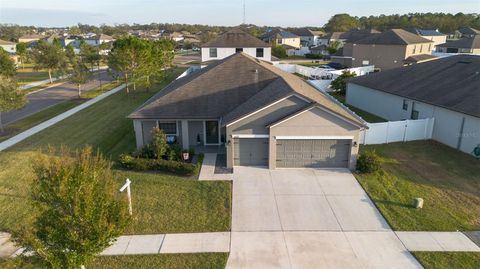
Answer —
449 260
448 180
162 203
162 261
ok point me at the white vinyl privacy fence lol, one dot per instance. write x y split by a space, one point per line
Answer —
397 131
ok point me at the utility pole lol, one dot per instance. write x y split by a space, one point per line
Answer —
244 13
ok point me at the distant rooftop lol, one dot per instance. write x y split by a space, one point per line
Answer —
424 32
236 38
393 37
463 43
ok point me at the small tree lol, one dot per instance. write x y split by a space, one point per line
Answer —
80 211
79 75
22 53
11 98
159 142
7 65
50 57
70 53
333 47
279 51
340 83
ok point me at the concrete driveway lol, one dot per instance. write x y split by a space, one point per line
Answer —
306 218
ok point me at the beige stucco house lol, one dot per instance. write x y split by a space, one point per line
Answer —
280 37
433 35
254 113
387 50
466 45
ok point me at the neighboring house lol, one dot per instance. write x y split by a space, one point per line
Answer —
468 45
308 38
98 39
256 113
332 37
8 46
447 89
468 32
176 36
30 38
235 41
280 37
320 50
385 50
433 35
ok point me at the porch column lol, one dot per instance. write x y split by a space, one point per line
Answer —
185 140
137 126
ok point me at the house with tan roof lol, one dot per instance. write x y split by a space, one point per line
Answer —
254 113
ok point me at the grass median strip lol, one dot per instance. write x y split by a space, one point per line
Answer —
162 261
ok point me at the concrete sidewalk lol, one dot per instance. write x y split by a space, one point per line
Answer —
437 241
44 125
207 172
147 244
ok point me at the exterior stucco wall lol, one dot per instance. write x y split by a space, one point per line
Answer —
386 56
294 42
256 123
11 48
314 122
448 124
437 40
225 52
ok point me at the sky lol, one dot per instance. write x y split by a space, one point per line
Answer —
212 12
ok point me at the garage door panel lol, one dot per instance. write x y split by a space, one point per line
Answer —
312 153
250 152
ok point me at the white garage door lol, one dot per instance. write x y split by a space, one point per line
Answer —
312 153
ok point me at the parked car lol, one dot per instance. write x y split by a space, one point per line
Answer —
336 66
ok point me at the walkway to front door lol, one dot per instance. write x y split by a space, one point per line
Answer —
305 218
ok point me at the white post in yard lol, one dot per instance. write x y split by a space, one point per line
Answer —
127 186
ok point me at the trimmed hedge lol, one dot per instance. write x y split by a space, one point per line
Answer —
142 164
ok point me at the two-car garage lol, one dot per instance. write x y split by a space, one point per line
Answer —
293 152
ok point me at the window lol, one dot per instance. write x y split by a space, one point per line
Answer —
169 128
414 49
430 47
260 52
414 115
213 53
237 50
421 48
405 105
279 41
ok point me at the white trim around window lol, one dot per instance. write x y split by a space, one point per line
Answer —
314 137
169 121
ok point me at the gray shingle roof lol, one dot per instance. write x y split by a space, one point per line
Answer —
463 43
451 82
469 31
354 35
236 39
424 32
307 32
229 89
420 58
277 34
393 37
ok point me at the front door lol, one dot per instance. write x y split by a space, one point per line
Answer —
212 133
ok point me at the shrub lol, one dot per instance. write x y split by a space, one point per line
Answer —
313 56
80 212
159 143
141 164
368 162
174 153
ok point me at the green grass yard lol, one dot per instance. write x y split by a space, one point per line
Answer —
447 179
449 260
162 203
163 261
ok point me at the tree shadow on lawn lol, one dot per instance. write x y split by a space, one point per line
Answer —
392 203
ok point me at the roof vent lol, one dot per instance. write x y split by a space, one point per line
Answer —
256 71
